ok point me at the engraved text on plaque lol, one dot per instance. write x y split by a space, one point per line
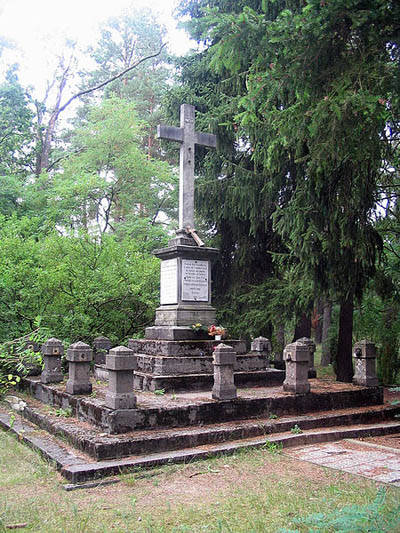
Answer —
194 280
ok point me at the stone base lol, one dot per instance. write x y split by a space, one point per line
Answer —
302 388
100 373
366 382
185 315
175 333
75 387
51 377
192 347
120 401
205 382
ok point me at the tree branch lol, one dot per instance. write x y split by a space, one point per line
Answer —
104 83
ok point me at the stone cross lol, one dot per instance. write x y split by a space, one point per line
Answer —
188 137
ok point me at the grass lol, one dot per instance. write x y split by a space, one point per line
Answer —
251 491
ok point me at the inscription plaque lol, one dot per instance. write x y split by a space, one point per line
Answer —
169 282
194 280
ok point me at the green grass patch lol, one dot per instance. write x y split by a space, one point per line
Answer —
250 491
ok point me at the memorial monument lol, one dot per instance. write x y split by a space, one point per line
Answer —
185 294
174 357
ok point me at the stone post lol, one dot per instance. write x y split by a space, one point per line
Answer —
262 346
102 346
364 355
52 350
79 356
312 373
296 357
224 378
120 363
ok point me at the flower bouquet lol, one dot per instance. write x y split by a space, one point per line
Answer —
217 331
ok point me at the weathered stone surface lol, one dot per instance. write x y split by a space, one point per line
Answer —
79 356
52 350
224 379
296 357
312 347
206 412
364 356
204 382
262 346
186 348
101 346
167 366
120 363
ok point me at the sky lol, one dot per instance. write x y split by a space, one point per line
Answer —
39 28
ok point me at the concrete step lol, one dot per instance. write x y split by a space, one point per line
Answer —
102 446
77 467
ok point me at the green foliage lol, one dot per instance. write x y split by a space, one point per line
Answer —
273 447
159 392
64 413
374 518
109 180
80 285
304 94
17 357
296 430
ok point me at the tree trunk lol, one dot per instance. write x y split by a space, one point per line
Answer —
344 362
318 317
303 327
326 357
280 345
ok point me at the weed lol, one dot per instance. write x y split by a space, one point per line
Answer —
159 392
273 447
296 430
273 416
12 420
66 413
373 517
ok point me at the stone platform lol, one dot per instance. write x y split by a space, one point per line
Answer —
158 411
187 365
187 426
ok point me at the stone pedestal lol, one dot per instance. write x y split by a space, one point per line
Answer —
224 380
364 355
262 346
312 373
120 363
52 350
185 294
296 357
101 347
79 356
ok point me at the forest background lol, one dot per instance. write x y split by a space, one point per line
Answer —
301 195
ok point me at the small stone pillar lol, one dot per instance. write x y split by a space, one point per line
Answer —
296 357
224 378
364 355
262 346
120 363
52 350
102 345
312 373
79 356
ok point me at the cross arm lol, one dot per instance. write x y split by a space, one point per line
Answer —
170 132
206 139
